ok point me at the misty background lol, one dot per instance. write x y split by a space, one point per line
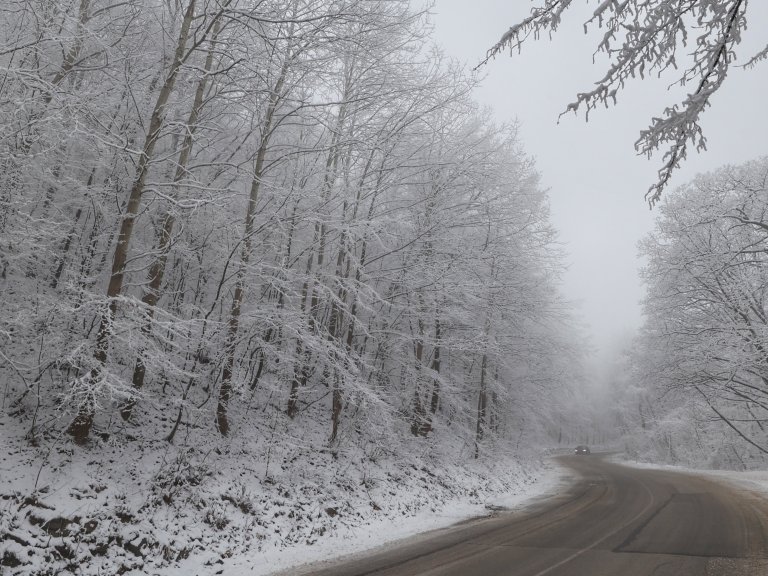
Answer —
596 181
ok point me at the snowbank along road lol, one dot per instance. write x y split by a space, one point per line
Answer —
613 521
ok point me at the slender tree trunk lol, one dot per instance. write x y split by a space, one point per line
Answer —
66 67
225 391
303 369
435 400
81 426
165 233
482 404
482 396
272 333
418 419
74 51
334 334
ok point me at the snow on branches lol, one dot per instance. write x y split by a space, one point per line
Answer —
279 205
643 37
706 333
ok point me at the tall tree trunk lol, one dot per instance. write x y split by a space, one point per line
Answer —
419 416
303 369
495 418
225 390
435 400
81 425
482 404
301 366
165 232
482 396
334 333
276 333
74 51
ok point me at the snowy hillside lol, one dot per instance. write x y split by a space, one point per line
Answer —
131 506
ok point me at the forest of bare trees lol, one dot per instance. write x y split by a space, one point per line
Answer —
220 213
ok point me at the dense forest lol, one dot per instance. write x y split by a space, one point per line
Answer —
216 208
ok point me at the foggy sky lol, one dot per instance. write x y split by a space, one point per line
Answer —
596 181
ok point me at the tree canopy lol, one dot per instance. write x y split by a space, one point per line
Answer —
697 39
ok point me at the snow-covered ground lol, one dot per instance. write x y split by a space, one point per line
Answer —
247 506
244 506
750 480
754 481
383 532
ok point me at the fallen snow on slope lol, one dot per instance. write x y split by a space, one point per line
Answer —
382 531
131 504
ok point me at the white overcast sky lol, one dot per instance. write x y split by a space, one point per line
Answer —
596 180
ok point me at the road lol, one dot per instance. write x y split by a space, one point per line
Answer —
612 521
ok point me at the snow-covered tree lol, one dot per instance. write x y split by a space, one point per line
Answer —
705 347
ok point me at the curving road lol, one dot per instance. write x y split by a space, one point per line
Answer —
613 521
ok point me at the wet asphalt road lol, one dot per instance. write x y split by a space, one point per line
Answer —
612 521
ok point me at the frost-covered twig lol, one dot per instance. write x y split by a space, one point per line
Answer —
642 36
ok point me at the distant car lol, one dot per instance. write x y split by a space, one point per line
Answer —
581 450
